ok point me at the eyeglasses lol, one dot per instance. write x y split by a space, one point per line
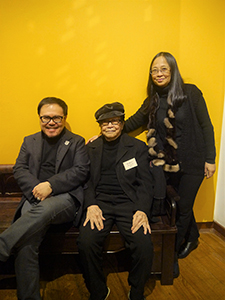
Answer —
163 70
113 122
47 119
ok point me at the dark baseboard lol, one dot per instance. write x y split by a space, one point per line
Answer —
205 225
219 228
212 225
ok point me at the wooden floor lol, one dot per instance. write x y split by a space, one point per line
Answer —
202 276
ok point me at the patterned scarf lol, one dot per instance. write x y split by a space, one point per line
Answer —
165 156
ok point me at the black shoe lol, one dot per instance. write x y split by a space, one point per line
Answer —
129 298
176 270
186 250
107 295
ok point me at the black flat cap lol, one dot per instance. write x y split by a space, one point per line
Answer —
109 110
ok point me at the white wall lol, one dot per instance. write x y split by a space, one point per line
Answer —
219 212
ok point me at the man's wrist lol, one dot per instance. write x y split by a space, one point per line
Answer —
49 185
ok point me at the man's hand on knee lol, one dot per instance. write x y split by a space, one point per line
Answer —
42 190
140 219
94 215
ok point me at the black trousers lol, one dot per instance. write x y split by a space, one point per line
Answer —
25 235
118 210
187 187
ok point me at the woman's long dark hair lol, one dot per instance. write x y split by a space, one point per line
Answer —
176 94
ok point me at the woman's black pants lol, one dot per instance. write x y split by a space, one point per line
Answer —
187 187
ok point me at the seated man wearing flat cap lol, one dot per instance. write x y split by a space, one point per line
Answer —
119 192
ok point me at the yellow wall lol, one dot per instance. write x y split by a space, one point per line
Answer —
89 52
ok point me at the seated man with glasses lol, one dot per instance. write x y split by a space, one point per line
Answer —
119 192
51 170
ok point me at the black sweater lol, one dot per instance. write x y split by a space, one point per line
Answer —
196 143
109 183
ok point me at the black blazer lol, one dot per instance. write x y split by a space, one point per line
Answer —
136 182
71 169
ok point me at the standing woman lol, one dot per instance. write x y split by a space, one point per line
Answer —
180 139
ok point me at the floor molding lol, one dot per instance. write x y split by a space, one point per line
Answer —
209 225
219 228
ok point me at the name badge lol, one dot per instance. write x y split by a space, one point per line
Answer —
129 164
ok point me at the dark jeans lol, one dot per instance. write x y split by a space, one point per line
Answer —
25 235
118 210
187 187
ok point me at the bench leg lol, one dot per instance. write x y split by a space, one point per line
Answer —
168 247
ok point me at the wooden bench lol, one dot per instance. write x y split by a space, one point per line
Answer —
62 239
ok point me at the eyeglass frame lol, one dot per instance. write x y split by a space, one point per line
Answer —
163 70
118 121
52 118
